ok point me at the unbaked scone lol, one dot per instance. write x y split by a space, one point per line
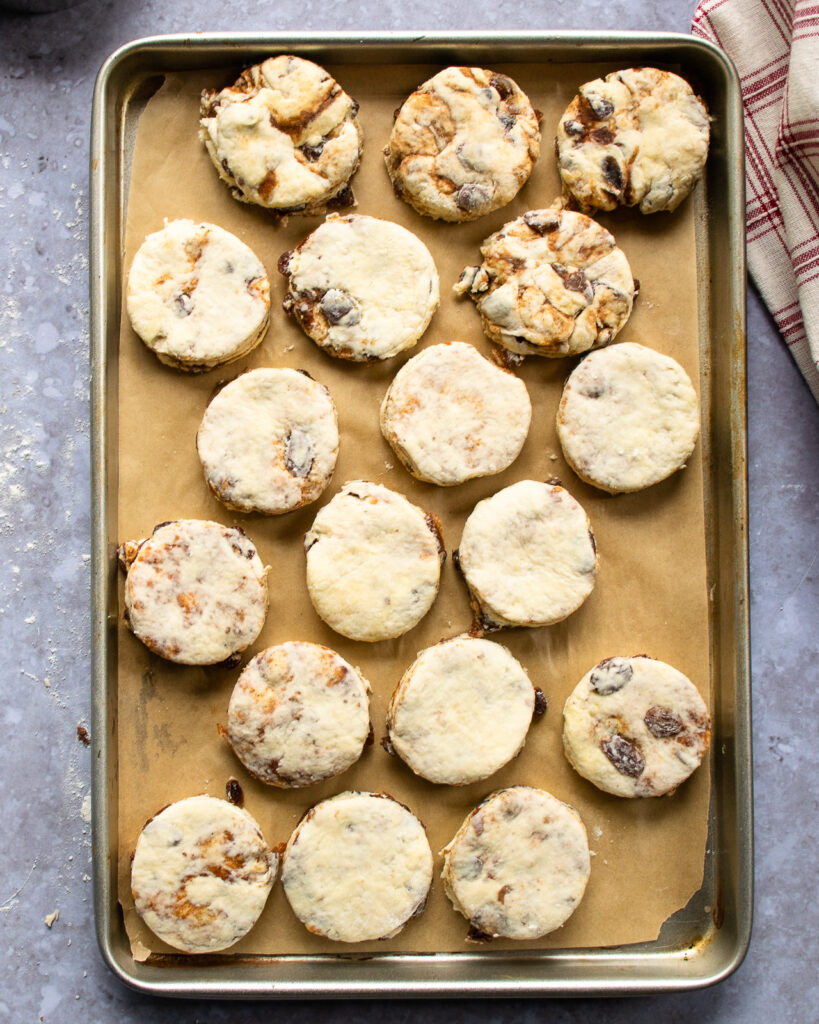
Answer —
451 415
463 144
284 136
629 417
461 711
357 867
518 866
268 441
635 727
637 137
195 591
363 289
373 562
552 283
197 296
298 714
528 556
201 874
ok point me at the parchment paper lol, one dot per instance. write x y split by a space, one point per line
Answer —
650 595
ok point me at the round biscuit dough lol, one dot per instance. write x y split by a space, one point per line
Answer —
298 714
528 556
461 711
637 137
463 144
552 283
201 874
363 289
284 136
629 417
268 441
357 867
518 866
635 727
451 415
195 592
197 296
373 562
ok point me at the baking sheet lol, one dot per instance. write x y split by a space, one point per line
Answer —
651 595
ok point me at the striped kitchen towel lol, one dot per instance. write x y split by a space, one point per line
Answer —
775 47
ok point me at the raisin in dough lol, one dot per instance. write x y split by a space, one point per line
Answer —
628 418
197 296
528 556
637 137
268 441
461 711
451 415
635 727
552 283
518 866
463 144
284 136
201 874
373 562
299 713
195 592
361 288
357 867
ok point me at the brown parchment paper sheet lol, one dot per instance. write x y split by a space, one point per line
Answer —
650 595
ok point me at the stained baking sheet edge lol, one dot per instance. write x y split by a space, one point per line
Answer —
706 940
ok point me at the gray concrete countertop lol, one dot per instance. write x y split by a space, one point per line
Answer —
55 974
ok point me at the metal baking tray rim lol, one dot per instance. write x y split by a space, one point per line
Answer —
713 952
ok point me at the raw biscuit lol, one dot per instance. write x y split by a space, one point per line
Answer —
635 727
519 864
298 714
361 288
197 296
284 136
268 441
195 591
628 418
463 144
451 415
201 874
373 562
357 867
528 556
461 711
552 283
637 137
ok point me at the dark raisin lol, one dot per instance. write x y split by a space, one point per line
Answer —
476 935
337 305
82 735
387 745
603 135
502 85
612 173
507 121
540 702
368 742
577 281
625 757
610 676
298 453
233 791
504 889
662 722
542 222
354 108
342 199
599 107
313 152
574 129
183 304
472 197
284 262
